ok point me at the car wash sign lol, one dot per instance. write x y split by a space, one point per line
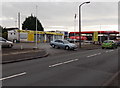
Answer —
95 36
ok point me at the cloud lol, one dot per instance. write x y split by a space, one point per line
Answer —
6 18
59 0
62 13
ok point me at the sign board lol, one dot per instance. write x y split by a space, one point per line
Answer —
95 37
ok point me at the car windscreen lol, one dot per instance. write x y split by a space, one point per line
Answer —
107 41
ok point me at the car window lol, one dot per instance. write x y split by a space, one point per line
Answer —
60 41
3 39
108 42
56 40
65 41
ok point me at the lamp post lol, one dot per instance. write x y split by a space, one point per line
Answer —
80 22
36 28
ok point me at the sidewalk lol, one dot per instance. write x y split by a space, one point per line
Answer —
16 55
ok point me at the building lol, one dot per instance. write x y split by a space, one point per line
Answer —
30 36
102 35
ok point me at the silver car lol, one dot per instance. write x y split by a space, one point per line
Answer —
5 43
63 44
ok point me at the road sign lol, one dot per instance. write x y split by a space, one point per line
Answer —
95 36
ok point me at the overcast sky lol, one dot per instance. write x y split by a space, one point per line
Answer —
56 15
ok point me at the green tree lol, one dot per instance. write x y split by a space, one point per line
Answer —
1 28
30 24
3 32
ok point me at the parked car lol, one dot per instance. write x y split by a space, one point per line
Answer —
5 43
87 41
71 40
118 43
63 44
109 44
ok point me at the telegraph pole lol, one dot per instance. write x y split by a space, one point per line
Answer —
19 26
36 27
19 20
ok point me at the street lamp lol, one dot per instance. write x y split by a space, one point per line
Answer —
80 22
36 29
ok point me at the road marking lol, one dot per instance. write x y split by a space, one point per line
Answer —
109 51
13 76
98 53
94 55
70 61
54 65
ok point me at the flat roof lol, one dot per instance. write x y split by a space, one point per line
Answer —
99 32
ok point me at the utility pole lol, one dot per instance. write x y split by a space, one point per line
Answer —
74 25
19 26
100 35
80 21
19 20
36 27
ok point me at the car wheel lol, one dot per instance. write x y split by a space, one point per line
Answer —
103 47
114 47
67 47
53 46
10 46
57 47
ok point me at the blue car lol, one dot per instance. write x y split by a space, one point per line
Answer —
118 43
63 44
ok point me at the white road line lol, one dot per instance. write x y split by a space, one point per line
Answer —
54 65
94 55
70 61
13 76
98 53
109 51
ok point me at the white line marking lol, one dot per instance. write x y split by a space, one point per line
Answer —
13 76
70 61
109 51
98 53
94 55
54 65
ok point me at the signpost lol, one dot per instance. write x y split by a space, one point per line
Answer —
95 37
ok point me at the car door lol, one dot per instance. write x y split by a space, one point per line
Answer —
4 42
56 42
61 44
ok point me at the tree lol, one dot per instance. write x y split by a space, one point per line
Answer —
3 32
1 28
30 24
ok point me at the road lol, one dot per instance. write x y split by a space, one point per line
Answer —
88 68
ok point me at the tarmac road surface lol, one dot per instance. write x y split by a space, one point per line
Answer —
88 68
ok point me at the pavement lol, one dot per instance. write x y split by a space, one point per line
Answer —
10 55
26 51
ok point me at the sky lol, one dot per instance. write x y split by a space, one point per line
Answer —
59 14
